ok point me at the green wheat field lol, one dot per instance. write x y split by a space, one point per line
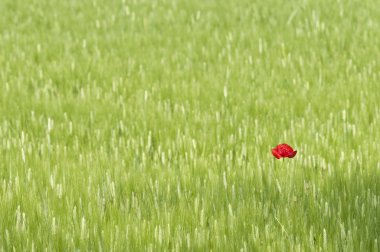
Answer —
138 125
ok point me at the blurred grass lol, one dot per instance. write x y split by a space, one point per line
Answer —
147 125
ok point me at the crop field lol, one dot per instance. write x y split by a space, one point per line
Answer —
138 125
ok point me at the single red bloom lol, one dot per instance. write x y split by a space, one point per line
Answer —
283 151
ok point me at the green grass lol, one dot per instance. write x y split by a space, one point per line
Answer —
148 125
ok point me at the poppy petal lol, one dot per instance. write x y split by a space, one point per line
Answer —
293 154
276 154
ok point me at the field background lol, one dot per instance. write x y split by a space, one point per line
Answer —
148 125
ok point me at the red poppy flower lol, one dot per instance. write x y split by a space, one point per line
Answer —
283 151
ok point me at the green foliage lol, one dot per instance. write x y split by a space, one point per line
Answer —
147 125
